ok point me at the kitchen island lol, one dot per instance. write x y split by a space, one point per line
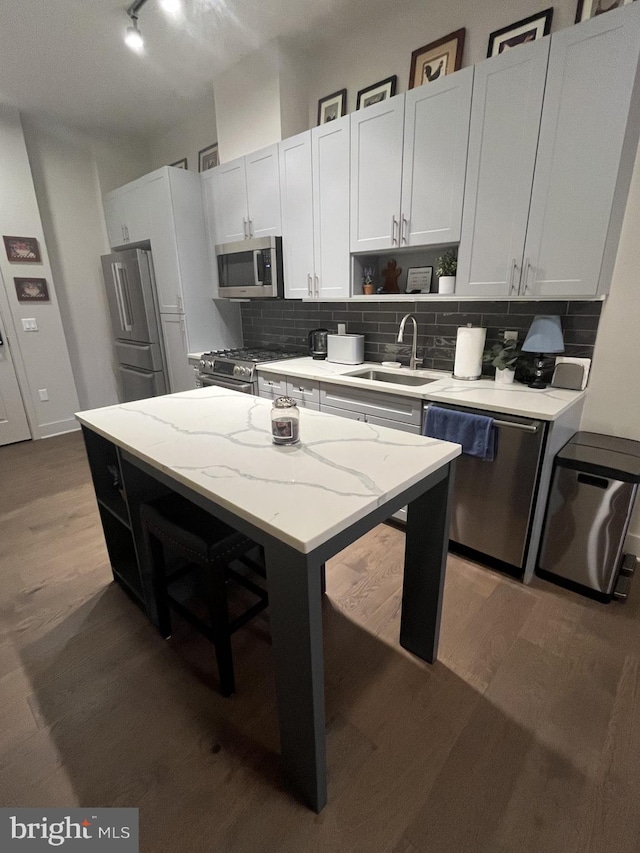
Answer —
303 503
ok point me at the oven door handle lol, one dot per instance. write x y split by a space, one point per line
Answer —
243 387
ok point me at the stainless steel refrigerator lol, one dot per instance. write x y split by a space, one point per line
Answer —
131 294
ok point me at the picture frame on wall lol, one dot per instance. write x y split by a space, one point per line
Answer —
377 93
208 157
31 289
528 29
419 279
332 107
437 59
180 164
22 250
590 8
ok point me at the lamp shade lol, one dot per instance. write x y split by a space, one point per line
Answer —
544 335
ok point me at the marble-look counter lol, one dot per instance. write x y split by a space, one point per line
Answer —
218 443
547 404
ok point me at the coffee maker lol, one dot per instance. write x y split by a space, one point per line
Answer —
318 343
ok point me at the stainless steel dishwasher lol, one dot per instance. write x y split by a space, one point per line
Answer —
493 501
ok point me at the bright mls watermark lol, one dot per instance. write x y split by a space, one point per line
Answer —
103 830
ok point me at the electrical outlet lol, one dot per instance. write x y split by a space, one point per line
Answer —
29 324
43 394
511 335
342 328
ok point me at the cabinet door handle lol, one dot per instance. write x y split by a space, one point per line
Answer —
394 225
317 286
179 303
405 232
250 221
525 276
512 284
244 228
122 229
309 285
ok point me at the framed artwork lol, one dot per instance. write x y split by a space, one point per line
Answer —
31 289
180 164
22 250
376 93
419 279
208 157
528 29
434 60
590 8
332 107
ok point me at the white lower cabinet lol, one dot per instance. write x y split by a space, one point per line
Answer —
176 350
272 385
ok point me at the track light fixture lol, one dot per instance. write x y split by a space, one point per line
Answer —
133 36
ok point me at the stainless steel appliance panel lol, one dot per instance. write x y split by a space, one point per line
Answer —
250 268
493 501
128 277
586 522
140 384
143 356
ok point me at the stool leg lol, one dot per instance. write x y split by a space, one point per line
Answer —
323 579
159 578
213 580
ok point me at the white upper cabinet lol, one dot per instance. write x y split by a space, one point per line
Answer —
297 215
330 166
263 193
376 174
125 212
246 195
588 137
408 159
436 134
314 192
505 123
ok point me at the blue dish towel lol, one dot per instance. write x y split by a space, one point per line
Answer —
476 433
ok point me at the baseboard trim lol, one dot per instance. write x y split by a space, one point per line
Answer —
57 428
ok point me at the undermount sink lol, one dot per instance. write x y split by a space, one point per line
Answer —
395 378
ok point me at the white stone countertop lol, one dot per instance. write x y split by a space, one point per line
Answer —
218 443
517 399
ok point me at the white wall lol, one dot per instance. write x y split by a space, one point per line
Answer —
613 402
41 358
64 175
187 138
382 43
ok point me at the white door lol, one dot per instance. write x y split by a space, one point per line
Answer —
114 218
330 161
590 85
137 204
376 175
505 123
208 201
13 419
230 197
164 247
263 192
176 350
297 216
436 137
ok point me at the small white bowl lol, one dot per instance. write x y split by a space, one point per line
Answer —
391 364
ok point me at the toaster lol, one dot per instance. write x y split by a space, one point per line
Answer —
345 349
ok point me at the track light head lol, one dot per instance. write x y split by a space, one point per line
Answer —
171 7
133 36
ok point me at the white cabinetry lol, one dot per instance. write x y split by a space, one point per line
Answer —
246 197
588 139
408 157
174 333
314 192
505 122
125 212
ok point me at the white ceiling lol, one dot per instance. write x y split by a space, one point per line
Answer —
66 59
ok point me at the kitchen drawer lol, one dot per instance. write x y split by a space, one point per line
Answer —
379 404
303 389
385 422
343 413
272 385
306 404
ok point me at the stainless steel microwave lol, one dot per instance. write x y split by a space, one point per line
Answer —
250 268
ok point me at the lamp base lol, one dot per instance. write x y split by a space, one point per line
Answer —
538 382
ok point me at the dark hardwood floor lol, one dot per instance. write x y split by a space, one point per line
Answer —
525 736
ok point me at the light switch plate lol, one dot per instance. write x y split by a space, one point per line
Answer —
29 324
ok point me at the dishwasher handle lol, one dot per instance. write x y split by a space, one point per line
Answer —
532 427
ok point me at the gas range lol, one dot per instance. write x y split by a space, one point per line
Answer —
236 368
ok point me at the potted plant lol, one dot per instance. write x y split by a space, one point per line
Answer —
367 280
446 272
503 357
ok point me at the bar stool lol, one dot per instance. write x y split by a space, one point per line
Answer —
174 526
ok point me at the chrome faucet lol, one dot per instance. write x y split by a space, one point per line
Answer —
414 361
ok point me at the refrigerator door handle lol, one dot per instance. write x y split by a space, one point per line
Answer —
118 274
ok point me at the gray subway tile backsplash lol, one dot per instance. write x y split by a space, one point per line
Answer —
289 322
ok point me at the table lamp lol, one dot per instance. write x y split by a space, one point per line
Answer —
544 336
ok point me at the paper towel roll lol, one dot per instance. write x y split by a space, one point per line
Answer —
469 349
